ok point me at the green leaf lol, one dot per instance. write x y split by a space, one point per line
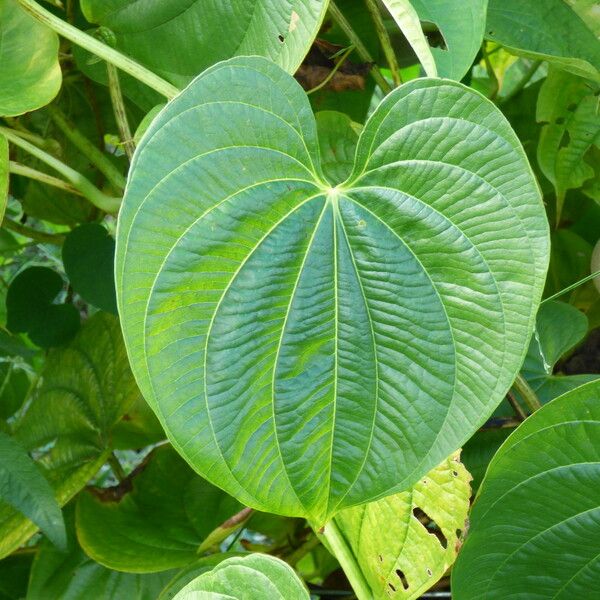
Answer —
252 577
462 27
88 256
479 451
30 75
74 576
338 136
14 386
407 19
545 30
198 35
29 308
535 529
156 520
23 486
86 388
559 328
405 543
310 345
4 175
568 107
185 576
14 576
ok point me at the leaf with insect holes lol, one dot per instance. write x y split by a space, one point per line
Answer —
252 577
311 344
404 543
535 524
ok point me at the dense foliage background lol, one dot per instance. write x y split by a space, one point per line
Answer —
95 503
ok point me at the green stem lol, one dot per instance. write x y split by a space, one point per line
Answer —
333 71
530 398
345 26
88 149
118 104
296 555
384 39
33 234
571 287
25 171
517 408
347 560
491 73
116 467
99 49
535 65
79 182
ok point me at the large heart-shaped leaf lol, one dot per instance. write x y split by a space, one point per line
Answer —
312 344
198 34
252 577
156 520
30 75
405 543
535 526
546 30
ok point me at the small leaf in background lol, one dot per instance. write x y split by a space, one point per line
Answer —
569 108
15 382
252 577
407 19
23 486
156 519
29 69
87 387
461 27
545 30
74 576
14 575
404 543
30 308
535 525
4 176
479 451
559 328
312 373
88 255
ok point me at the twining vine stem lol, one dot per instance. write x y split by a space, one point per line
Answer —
345 26
386 42
85 186
530 398
33 234
24 171
96 47
333 71
116 97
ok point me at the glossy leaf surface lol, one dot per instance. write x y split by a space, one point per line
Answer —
252 577
310 344
535 526
404 543
546 30
158 520
29 69
23 486
181 38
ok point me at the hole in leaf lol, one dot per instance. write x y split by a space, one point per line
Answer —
455 473
429 572
380 558
392 587
430 525
281 38
458 533
402 578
